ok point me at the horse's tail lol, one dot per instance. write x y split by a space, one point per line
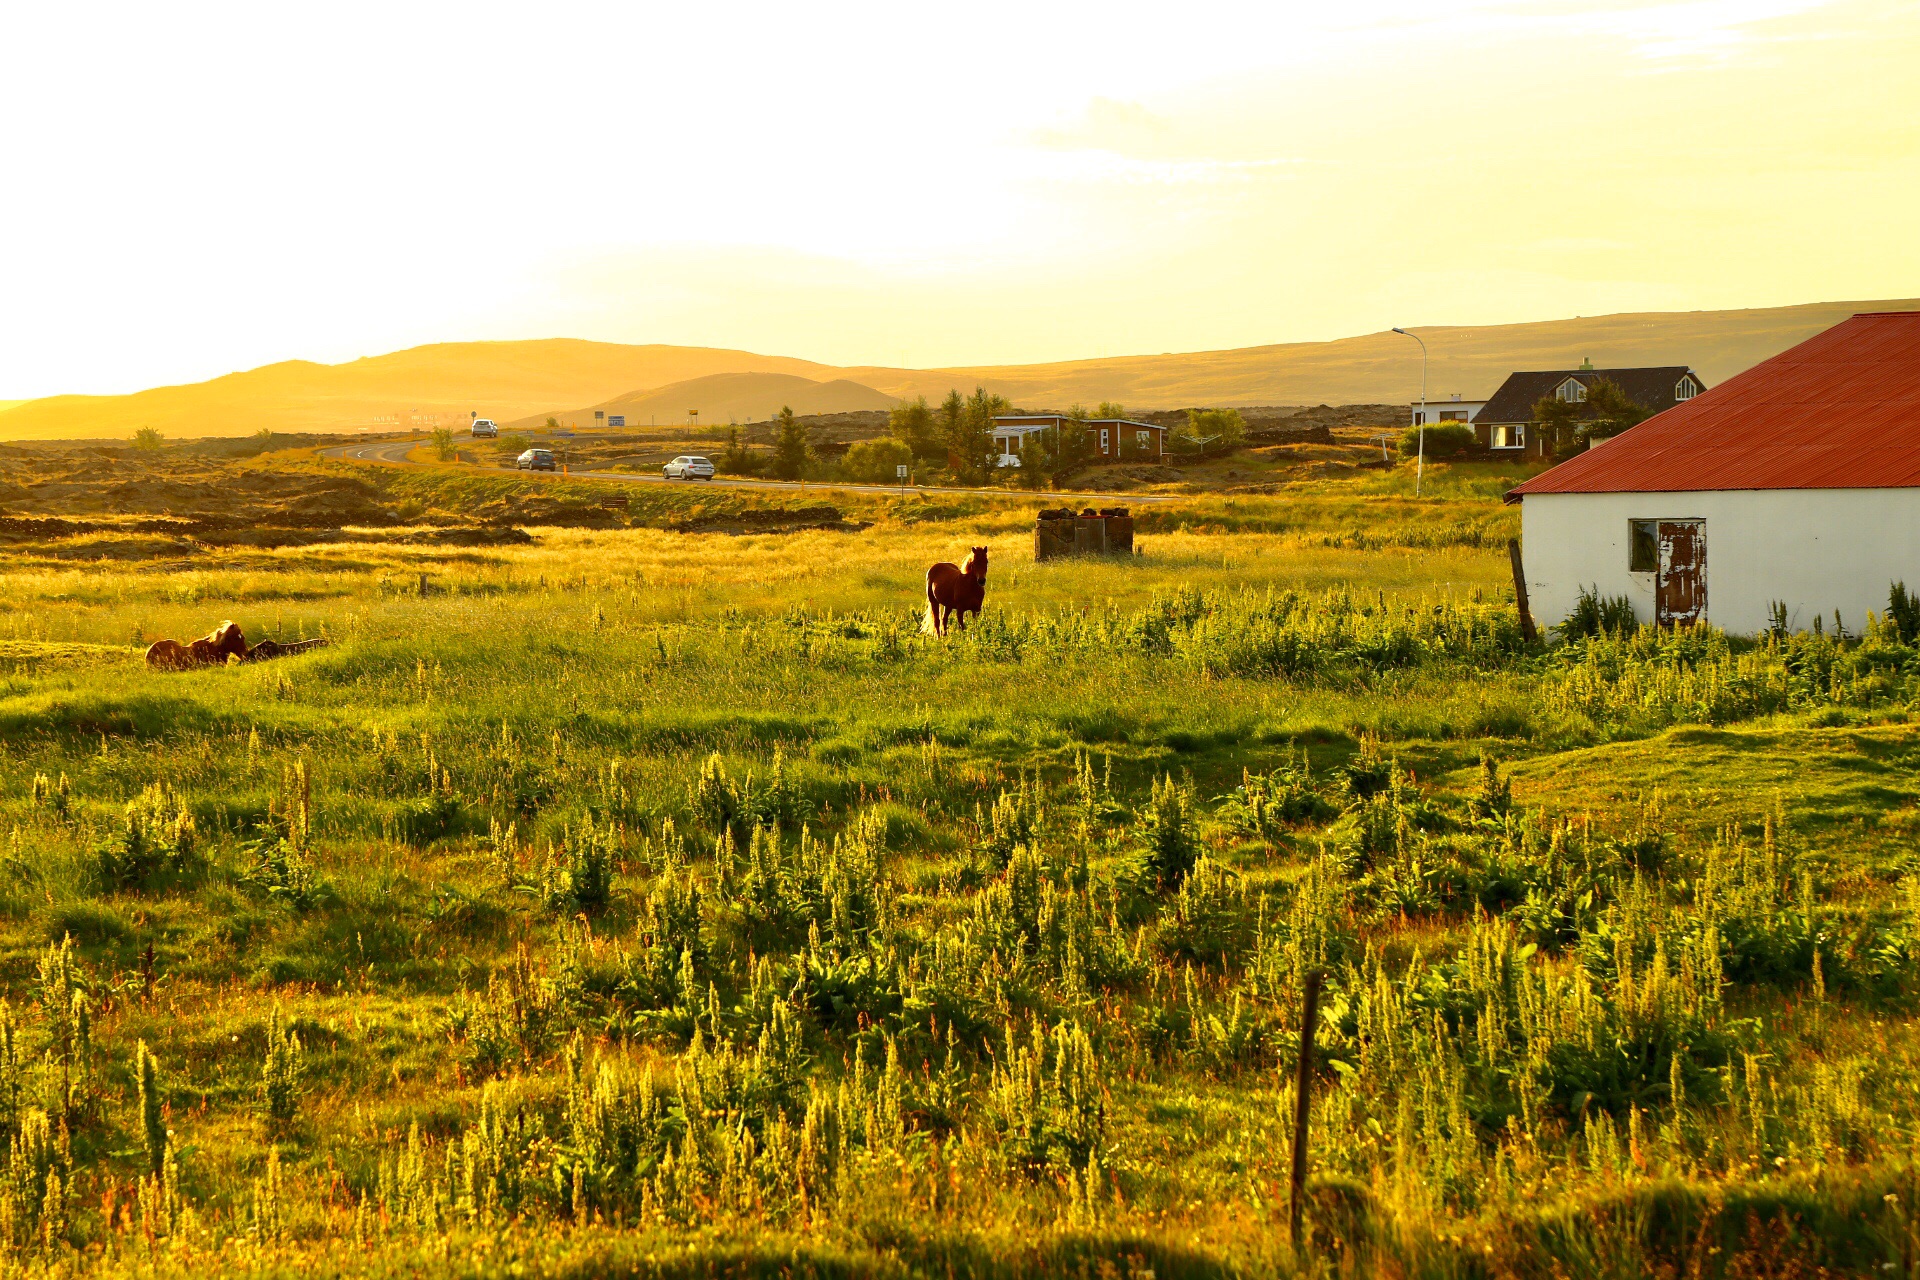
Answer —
929 621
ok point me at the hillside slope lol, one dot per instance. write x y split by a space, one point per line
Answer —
558 376
502 380
1385 367
724 397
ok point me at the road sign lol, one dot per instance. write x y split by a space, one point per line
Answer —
616 419
599 414
901 471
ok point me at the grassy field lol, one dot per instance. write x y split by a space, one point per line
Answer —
622 901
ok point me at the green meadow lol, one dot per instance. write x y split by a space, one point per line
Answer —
626 901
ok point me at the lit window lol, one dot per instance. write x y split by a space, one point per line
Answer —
1643 546
1686 390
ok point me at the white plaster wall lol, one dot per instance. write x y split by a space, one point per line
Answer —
1817 549
1471 408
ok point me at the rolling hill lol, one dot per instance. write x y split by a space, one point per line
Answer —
1385 367
724 397
502 380
567 377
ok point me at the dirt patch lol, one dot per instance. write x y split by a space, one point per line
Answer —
475 536
772 520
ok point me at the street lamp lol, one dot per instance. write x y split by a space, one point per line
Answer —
1420 468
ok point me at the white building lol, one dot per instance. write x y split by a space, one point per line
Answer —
1010 436
1797 482
1434 412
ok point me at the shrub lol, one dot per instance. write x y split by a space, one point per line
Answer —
283 871
875 461
156 834
578 876
1597 615
1048 1101
1211 917
1169 843
1266 804
280 1074
1903 613
1445 440
1219 426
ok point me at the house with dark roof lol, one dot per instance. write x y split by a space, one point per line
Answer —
1507 422
1108 439
1794 486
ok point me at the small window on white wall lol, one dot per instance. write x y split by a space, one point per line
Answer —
1643 546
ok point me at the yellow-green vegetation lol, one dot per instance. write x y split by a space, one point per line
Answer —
635 902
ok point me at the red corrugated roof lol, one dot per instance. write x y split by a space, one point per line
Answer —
1839 411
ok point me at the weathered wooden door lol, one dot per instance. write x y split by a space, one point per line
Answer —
1680 596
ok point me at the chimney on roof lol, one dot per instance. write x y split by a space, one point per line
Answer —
1586 364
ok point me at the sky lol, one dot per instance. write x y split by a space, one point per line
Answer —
187 190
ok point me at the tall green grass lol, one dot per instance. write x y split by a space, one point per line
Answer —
579 916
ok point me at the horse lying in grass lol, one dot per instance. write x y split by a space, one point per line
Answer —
224 644
956 591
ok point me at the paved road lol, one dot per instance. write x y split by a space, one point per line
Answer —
394 452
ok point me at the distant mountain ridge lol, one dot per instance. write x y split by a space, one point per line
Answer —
562 377
726 397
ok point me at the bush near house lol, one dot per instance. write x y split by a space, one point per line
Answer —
1446 440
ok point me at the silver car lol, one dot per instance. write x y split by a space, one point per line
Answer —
688 468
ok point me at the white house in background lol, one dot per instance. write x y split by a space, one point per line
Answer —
1797 482
1011 436
1453 409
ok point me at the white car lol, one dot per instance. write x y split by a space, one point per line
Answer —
485 427
688 468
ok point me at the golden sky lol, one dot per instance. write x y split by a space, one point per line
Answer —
188 190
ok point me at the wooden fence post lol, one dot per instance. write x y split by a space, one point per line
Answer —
1527 630
1303 1104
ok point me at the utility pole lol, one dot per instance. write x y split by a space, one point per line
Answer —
1420 468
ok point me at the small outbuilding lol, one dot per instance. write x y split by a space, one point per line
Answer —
1110 439
1796 483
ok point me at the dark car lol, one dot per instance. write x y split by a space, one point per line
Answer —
536 460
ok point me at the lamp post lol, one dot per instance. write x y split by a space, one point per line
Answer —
1420 467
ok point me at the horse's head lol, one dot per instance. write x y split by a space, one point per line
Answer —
976 565
227 638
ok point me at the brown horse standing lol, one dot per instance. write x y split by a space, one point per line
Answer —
956 590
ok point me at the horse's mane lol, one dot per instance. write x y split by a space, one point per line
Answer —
967 565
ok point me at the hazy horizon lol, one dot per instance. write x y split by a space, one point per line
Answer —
233 187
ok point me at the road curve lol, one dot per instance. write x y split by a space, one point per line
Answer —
394 453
